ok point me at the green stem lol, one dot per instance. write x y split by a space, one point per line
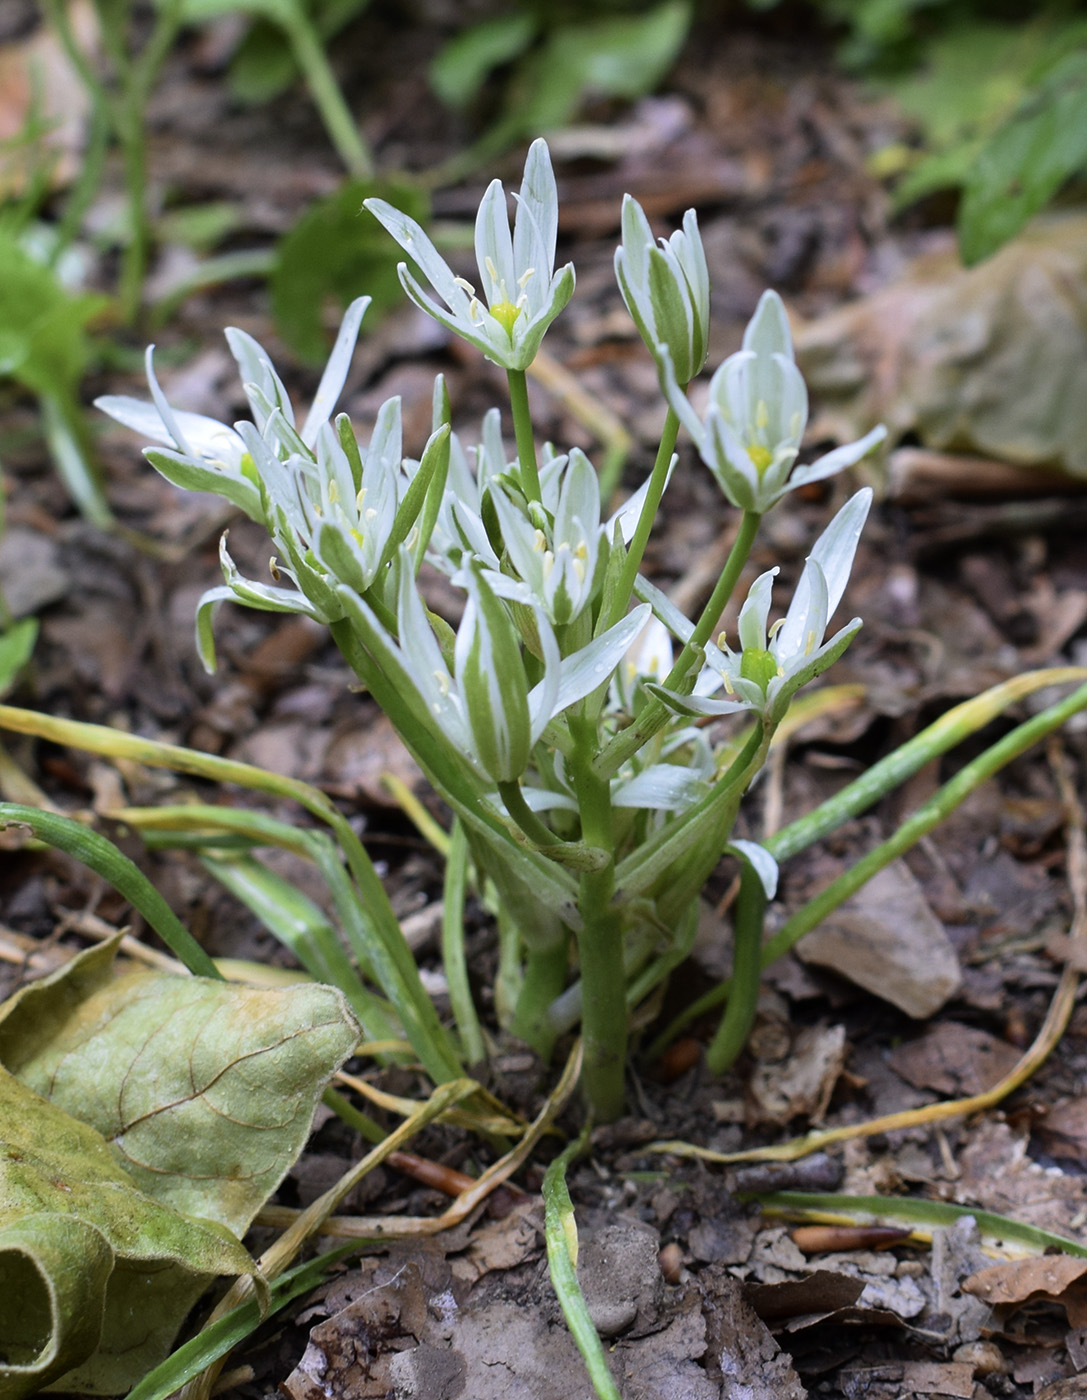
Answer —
743 999
600 943
522 429
545 974
655 715
341 126
453 959
130 125
536 830
624 591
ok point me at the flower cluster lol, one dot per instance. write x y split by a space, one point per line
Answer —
561 715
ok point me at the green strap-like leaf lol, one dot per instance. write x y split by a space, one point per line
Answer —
103 857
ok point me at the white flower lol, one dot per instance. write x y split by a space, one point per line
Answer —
666 288
205 455
342 510
555 558
522 294
771 666
758 409
482 705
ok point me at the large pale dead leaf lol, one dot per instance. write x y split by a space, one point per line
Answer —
193 1098
205 1090
87 1257
991 360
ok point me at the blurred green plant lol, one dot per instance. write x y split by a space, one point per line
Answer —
331 251
265 67
546 60
44 348
999 98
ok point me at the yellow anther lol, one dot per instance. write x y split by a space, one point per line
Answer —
273 568
359 499
465 285
775 628
809 643
443 682
357 536
523 280
762 415
333 493
728 683
539 543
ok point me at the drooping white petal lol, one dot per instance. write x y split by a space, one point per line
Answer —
662 787
838 459
208 439
595 663
165 412
760 860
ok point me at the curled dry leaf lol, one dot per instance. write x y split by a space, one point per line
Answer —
1057 1278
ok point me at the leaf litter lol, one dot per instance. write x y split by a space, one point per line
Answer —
971 928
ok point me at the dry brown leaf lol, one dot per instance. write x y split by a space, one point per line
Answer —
887 940
954 1060
939 1378
991 360
1063 1130
1053 1277
803 1081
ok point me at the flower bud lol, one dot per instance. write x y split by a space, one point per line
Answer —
666 289
490 675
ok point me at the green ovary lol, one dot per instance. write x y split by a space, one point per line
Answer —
758 666
505 313
761 456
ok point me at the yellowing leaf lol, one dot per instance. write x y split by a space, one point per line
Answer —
205 1090
85 1254
148 1119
